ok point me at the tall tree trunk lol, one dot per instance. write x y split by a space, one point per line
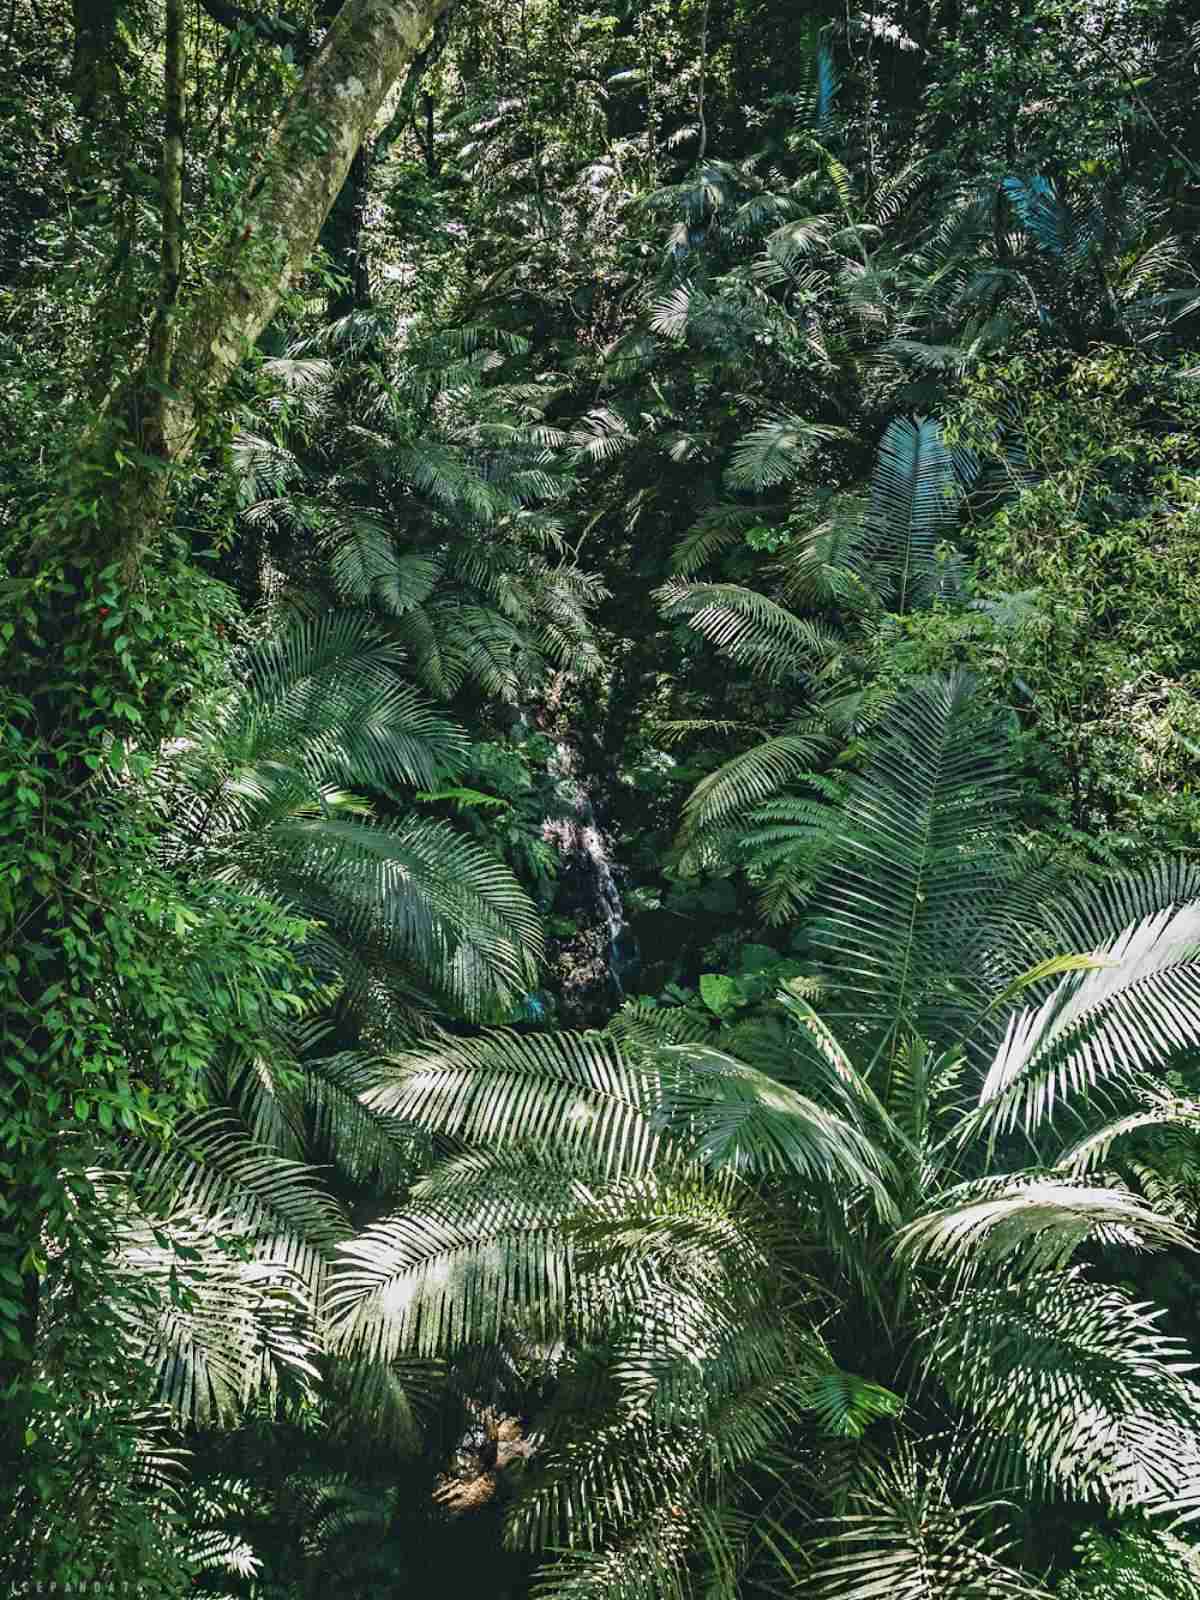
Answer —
69 680
162 335
344 232
307 159
94 72
343 236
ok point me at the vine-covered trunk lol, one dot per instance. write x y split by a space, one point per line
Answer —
91 657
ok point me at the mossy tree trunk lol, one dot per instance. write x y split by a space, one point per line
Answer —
369 47
96 652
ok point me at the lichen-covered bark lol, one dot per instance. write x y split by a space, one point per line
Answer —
370 45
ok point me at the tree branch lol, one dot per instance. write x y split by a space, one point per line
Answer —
305 162
1134 88
281 30
421 64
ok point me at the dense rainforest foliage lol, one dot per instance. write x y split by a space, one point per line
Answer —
600 799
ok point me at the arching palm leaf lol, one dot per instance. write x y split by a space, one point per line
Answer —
750 627
907 1538
501 1089
914 507
916 854
1079 1036
1073 1386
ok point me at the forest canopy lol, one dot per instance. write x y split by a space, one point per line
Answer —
600 799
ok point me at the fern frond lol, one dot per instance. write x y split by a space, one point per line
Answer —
776 450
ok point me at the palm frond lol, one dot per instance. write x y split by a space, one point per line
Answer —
320 704
458 1264
750 628
1058 229
917 852
1078 1039
782 845
217 1328
748 780
1039 915
914 507
623 1473
213 1168
416 893
1031 1225
1073 1386
776 450
908 1539
369 570
737 1119
717 529
1150 1562
830 562
1158 1110
602 435
648 1564
502 1089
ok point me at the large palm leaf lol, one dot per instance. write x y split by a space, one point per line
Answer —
255 795
916 853
1125 1013
458 1266
906 1536
579 1090
224 1245
751 628
1074 1388
914 508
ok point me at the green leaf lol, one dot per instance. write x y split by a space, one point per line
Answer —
719 992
